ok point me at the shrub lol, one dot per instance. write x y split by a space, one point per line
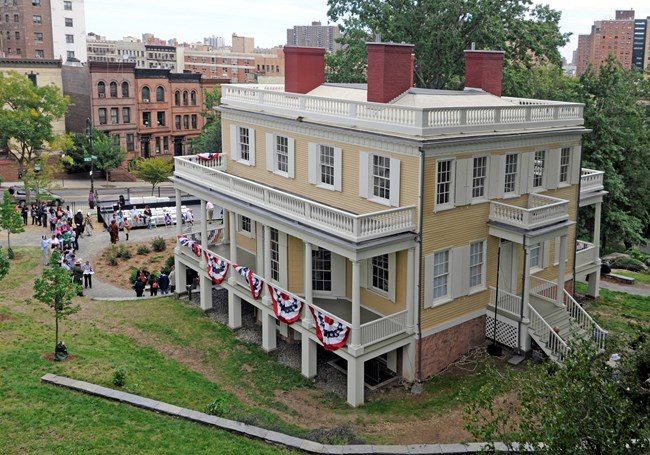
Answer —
10 253
158 244
167 268
142 250
218 407
112 255
123 252
119 376
134 274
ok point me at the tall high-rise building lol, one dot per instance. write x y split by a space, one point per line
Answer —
43 29
314 35
217 42
623 37
243 44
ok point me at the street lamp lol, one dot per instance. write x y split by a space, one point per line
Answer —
89 135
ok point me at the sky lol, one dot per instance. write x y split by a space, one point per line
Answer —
267 20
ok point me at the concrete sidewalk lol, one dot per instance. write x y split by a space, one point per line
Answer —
73 184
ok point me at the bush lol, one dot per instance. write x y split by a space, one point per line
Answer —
134 274
123 252
158 244
112 255
142 250
218 407
639 255
167 268
119 376
10 253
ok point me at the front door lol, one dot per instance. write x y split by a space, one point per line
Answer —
508 267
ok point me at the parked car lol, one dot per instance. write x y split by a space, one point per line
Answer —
18 196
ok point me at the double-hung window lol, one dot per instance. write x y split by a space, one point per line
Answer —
476 264
246 226
244 143
535 259
445 184
441 286
539 168
275 255
565 164
380 273
510 183
379 178
479 176
325 166
280 155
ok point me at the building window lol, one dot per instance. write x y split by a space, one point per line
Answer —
244 144
69 39
126 115
165 144
245 225
444 181
186 122
35 19
275 255
113 89
146 119
67 6
145 94
125 89
510 185
161 118
102 116
17 35
441 275
193 118
160 94
538 168
32 77
16 19
116 140
381 177
38 36
565 160
101 89
157 146
177 98
185 98
321 272
380 273
479 175
36 2
536 256
476 264
130 142
326 164
114 115
282 154
193 98
70 55
68 22
18 51
177 121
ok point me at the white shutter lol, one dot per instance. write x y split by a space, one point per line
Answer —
496 176
460 183
428 281
552 169
292 153
363 174
339 270
546 253
338 169
269 152
459 271
575 170
251 137
392 278
525 173
394 182
312 152
234 142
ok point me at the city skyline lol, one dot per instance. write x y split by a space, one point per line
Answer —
268 22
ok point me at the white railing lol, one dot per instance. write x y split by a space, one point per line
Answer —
386 327
586 322
547 335
542 210
399 118
510 303
339 222
586 254
220 162
591 180
543 289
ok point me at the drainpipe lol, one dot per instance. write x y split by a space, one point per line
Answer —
420 261
524 288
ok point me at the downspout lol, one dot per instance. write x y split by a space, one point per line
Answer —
523 285
419 256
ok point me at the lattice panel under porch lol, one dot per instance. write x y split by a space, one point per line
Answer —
506 333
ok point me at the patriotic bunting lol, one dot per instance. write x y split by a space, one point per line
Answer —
217 267
286 308
254 283
213 236
207 156
332 333
191 244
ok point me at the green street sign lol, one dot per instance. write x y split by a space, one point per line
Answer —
88 158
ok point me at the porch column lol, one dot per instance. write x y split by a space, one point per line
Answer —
355 382
410 290
408 361
524 337
309 294
205 288
355 347
225 235
181 275
268 331
308 354
232 226
561 271
266 256
234 311
597 216
179 214
593 284
204 226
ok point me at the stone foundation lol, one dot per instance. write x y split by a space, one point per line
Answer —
443 348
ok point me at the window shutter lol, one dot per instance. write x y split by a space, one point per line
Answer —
269 152
312 151
525 173
552 169
575 170
339 271
292 153
546 253
363 174
234 141
459 271
496 176
428 281
338 169
251 136
392 279
461 182
394 182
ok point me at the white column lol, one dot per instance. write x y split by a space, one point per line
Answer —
225 235
561 271
205 287
234 311
408 361
266 256
309 294
204 226
524 337
308 354
593 284
355 347
597 216
233 248
269 331
179 213
410 290
181 276
355 382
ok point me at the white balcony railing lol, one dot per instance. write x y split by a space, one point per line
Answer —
404 119
355 227
541 211
591 180
586 254
509 303
386 327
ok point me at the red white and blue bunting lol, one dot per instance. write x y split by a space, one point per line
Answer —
207 156
332 333
191 244
254 283
217 267
286 308
213 236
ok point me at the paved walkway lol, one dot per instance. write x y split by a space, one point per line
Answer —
268 436
635 289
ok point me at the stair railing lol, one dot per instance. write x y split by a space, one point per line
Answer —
547 335
585 322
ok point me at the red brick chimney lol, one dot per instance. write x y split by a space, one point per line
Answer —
484 70
390 71
304 69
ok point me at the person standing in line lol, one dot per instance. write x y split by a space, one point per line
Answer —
163 283
77 274
209 207
34 213
88 275
114 231
127 228
172 279
138 286
79 223
45 249
153 284
23 212
91 200
88 225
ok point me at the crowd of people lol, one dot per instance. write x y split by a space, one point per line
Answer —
163 282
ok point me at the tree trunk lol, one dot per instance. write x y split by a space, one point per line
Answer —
8 242
56 331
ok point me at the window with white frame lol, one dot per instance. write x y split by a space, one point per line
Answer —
476 264
244 143
565 162
535 259
246 226
510 183
282 153
379 178
479 176
444 183
275 255
380 273
325 166
539 168
441 275
321 271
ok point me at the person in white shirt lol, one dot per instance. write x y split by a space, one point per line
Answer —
135 216
209 207
45 249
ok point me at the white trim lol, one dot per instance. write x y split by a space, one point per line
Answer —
366 277
429 301
449 324
486 181
553 165
312 154
240 230
394 182
483 285
271 141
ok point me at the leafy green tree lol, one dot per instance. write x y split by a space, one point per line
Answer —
209 141
56 289
109 155
27 117
445 29
10 220
155 171
4 264
588 406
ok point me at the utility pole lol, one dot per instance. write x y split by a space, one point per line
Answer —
89 135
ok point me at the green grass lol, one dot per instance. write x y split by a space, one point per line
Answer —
639 277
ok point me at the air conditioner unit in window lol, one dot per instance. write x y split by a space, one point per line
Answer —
146 123
102 95
146 100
